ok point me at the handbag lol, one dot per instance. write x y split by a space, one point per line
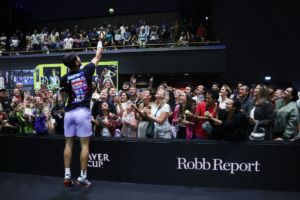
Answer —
150 126
150 130
258 133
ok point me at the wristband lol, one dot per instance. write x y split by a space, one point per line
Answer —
99 45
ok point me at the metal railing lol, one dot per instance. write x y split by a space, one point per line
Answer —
112 47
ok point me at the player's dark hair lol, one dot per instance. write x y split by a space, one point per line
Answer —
70 60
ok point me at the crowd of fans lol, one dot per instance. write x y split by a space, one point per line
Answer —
115 36
256 112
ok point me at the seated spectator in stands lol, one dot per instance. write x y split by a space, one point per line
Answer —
129 122
164 31
154 36
159 114
54 40
261 111
46 44
35 40
77 43
203 109
201 33
183 122
28 42
224 95
287 115
146 28
3 42
245 99
109 38
183 40
127 37
199 94
68 42
175 31
119 39
14 43
232 123
85 40
93 36
143 38
134 41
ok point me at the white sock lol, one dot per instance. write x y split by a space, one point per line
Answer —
83 173
67 172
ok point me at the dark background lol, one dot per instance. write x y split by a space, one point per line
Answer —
262 37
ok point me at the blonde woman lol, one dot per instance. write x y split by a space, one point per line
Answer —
159 114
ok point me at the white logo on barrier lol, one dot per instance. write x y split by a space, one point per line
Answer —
216 164
97 160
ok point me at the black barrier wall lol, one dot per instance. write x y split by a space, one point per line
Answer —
139 61
171 162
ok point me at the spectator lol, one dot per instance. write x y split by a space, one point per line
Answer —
224 94
143 38
127 37
261 111
35 40
201 33
287 115
232 123
199 94
106 121
119 38
245 99
68 42
129 122
14 43
203 110
159 114
3 42
183 40
183 122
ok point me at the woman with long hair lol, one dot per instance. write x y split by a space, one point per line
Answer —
261 111
231 123
142 117
185 126
159 114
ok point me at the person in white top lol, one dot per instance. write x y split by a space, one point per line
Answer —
68 42
159 114
224 94
129 122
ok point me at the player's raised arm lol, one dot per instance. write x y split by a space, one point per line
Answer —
99 52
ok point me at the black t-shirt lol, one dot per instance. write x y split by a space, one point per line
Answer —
78 86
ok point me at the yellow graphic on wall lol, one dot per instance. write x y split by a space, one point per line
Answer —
48 75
